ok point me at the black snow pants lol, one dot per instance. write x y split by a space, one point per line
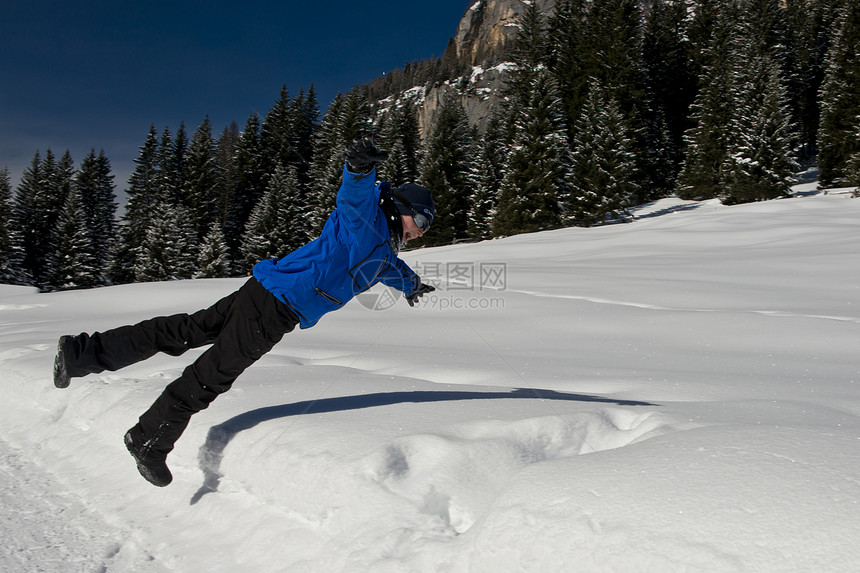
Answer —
241 328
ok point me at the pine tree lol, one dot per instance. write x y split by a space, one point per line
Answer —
811 25
11 271
537 171
706 143
840 100
274 227
355 117
287 136
347 119
305 113
95 190
400 137
613 55
276 134
213 259
7 261
27 217
538 161
61 185
250 185
447 172
168 251
163 166
489 173
327 165
612 51
759 164
74 261
175 167
529 55
670 87
143 198
604 162
203 179
35 213
566 37
852 176
225 158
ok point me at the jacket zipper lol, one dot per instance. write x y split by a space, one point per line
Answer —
328 297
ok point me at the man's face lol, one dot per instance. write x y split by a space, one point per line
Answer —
410 229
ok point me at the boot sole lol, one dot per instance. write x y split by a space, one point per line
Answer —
158 476
61 373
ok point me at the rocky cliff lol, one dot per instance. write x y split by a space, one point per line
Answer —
483 40
488 29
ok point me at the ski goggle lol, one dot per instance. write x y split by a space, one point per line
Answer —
422 219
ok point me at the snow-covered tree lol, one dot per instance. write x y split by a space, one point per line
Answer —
11 271
706 143
202 179
567 45
811 26
174 165
325 173
75 265
275 226
759 163
213 258
95 191
168 251
305 114
143 198
489 173
538 167
400 137
840 99
250 184
35 211
447 171
603 171
276 133
670 87
536 132
347 119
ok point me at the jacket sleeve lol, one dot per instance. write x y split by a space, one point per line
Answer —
357 200
398 275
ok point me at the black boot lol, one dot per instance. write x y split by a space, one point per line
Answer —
151 463
61 361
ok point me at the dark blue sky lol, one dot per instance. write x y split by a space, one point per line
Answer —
97 74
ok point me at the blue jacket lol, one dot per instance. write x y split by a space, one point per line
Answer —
352 254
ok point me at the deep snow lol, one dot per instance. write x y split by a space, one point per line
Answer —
677 394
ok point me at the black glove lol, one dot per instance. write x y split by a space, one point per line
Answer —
419 292
361 156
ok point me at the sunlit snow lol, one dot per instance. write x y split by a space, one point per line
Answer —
681 393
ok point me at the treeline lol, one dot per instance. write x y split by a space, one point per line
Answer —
607 105
428 72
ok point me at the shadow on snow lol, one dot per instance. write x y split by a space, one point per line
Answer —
219 436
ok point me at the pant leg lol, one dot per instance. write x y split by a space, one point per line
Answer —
117 348
255 322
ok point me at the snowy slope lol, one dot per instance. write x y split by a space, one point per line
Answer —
677 394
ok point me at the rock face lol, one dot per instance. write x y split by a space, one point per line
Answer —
478 94
484 38
488 29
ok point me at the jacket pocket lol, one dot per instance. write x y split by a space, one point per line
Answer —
328 297
366 272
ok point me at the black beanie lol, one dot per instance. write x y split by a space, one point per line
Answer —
418 198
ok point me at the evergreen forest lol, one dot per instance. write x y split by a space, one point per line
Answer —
608 104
